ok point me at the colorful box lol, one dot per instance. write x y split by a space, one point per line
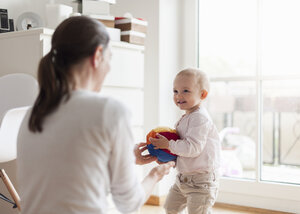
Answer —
133 37
131 24
107 20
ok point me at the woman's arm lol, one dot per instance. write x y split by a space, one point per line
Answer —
155 175
127 191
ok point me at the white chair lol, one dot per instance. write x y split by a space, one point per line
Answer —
16 91
9 130
8 147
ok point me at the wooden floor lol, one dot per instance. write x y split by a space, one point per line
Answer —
218 209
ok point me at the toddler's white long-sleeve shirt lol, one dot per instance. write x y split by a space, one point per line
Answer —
199 146
84 152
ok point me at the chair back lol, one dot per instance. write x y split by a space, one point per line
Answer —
17 90
9 133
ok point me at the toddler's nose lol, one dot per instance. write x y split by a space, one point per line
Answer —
179 95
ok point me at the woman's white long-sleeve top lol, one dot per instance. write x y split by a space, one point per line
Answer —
84 152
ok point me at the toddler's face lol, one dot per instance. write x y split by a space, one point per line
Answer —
187 94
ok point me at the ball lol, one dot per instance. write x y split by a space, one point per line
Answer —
163 155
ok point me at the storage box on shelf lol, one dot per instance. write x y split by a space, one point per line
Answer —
126 24
99 7
132 30
107 20
133 37
100 10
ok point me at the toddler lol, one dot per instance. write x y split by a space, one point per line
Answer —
198 149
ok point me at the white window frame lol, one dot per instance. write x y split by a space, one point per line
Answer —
251 193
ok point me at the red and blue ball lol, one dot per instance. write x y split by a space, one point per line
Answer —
163 155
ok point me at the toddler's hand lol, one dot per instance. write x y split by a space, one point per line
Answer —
159 143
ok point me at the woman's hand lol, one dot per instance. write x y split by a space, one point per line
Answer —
140 158
160 171
159 163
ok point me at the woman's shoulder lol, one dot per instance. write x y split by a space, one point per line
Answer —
112 106
98 107
91 100
90 97
115 105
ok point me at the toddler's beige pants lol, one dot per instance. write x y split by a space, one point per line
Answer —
197 192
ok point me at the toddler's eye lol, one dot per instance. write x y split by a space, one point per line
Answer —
185 91
175 91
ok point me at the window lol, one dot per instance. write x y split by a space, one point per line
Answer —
251 51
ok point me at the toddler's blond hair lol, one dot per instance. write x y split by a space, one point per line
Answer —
200 76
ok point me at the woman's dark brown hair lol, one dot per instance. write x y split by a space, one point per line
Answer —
75 39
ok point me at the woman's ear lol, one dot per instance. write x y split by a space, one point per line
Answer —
97 56
204 94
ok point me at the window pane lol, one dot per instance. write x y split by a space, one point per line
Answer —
232 106
281 131
227 37
280 37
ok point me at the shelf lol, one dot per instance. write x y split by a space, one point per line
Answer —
29 32
49 32
127 45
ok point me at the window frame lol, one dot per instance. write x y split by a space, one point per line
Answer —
246 192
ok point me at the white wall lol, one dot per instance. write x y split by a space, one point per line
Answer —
170 58
163 59
189 33
16 7
147 10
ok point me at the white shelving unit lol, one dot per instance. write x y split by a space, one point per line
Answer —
125 82
21 51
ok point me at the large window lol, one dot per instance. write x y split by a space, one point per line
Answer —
251 50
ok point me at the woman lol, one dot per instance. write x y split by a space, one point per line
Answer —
75 146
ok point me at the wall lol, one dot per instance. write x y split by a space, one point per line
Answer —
16 7
147 10
189 39
163 58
